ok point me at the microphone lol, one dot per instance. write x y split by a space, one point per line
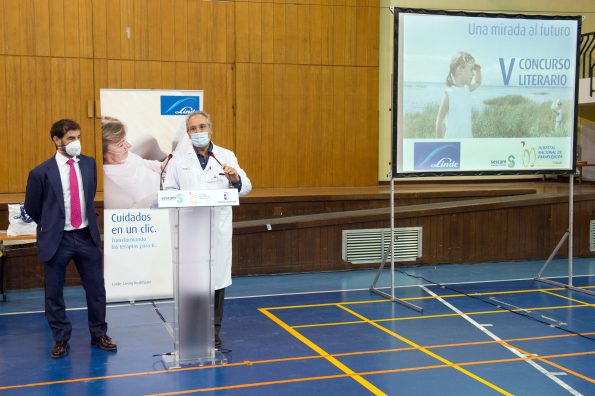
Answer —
215 158
223 174
161 178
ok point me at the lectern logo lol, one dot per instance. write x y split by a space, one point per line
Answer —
437 156
225 196
179 198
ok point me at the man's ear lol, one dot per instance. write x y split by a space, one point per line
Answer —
56 140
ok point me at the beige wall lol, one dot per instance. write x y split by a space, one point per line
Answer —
585 8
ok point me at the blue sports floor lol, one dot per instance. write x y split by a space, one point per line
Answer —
486 329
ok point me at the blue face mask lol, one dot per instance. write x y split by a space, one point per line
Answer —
200 139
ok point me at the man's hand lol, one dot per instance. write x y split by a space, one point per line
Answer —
231 174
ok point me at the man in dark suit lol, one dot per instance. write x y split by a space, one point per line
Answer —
59 198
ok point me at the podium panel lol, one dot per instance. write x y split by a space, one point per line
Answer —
195 294
193 329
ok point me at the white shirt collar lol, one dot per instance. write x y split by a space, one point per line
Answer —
62 159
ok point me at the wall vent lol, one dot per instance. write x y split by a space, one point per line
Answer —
592 235
368 245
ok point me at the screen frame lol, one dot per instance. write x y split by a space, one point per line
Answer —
395 100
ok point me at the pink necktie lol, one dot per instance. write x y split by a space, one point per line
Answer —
75 202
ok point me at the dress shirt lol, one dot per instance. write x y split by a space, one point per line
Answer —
64 168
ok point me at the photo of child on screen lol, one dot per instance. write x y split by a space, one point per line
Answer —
557 109
454 113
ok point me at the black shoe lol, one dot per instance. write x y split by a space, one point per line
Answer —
60 349
218 342
104 342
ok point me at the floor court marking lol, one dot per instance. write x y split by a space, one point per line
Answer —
362 381
437 316
566 370
521 291
297 358
281 360
166 302
377 372
567 298
515 351
428 352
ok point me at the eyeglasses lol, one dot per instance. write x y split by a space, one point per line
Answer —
199 127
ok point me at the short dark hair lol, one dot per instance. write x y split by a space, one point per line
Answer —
60 128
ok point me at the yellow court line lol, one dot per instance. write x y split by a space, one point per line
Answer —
496 311
365 383
322 305
428 352
421 298
568 298
387 371
296 358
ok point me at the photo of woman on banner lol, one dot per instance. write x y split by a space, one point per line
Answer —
454 113
131 175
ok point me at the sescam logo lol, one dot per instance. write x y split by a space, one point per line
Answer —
437 156
179 105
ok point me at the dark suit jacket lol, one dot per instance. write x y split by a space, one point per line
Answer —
44 202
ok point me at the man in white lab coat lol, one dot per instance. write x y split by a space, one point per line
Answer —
198 164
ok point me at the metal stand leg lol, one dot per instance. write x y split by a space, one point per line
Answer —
391 296
567 236
388 251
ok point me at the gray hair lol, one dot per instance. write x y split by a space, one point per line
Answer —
199 113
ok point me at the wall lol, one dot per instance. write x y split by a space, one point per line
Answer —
292 85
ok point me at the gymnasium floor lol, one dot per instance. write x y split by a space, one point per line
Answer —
486 329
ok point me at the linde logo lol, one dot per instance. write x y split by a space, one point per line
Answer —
446 163
436 155
179 105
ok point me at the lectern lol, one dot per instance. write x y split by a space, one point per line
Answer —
190 220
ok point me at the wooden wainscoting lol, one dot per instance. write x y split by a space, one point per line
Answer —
300 229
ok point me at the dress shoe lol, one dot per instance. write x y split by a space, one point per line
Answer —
60 349
104 342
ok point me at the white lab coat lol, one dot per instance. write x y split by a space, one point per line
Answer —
185 173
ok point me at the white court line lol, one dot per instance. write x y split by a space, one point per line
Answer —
170 301
494 337
396 287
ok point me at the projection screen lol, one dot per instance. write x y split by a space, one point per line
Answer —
481 94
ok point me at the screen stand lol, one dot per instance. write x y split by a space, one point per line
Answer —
567 236
388 252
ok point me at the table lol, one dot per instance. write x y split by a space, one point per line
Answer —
579 168
6 240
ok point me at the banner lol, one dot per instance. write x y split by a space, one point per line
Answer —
484 93
140 129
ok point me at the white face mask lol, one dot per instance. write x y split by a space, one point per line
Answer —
73 148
